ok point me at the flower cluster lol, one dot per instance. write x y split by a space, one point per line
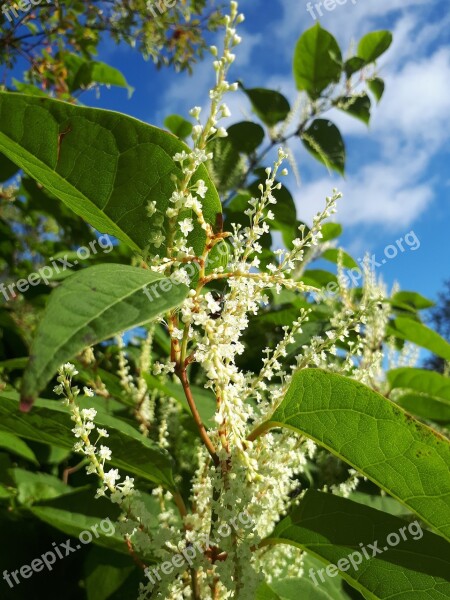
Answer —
84 430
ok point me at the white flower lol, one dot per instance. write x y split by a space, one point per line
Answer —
88 414
69 370
195 112
104 453
186 226
151 208
111 477
88 392
58 389
157 238
102 432
201 188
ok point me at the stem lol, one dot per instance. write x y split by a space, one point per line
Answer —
181 372
178 499
260 430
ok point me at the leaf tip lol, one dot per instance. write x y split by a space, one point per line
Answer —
26 403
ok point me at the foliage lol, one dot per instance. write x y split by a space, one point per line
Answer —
237 387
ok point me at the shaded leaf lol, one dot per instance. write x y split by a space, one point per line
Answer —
324 141
336 530
13 444
357 106
246 136
50 423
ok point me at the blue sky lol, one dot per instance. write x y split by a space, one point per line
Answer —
398 178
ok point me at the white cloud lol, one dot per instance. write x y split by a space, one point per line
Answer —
384 194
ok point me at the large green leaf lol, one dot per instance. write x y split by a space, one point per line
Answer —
89 307
49 422
317 61
373 45
417 333
324 141
104 165
407 459
404 561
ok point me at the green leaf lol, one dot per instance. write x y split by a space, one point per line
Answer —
106 572
103 165
246 136
353 64
317 61
423 336
49 423
373 45
384 503
411 301
294 589
7 168
89 307
318 278
204 399
15 445
420 380
179 126
339 532
331 231
407 459
94 72
270 106
227 167
324 141
425 406
332 254
357 106
376 86
79 512
33 487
